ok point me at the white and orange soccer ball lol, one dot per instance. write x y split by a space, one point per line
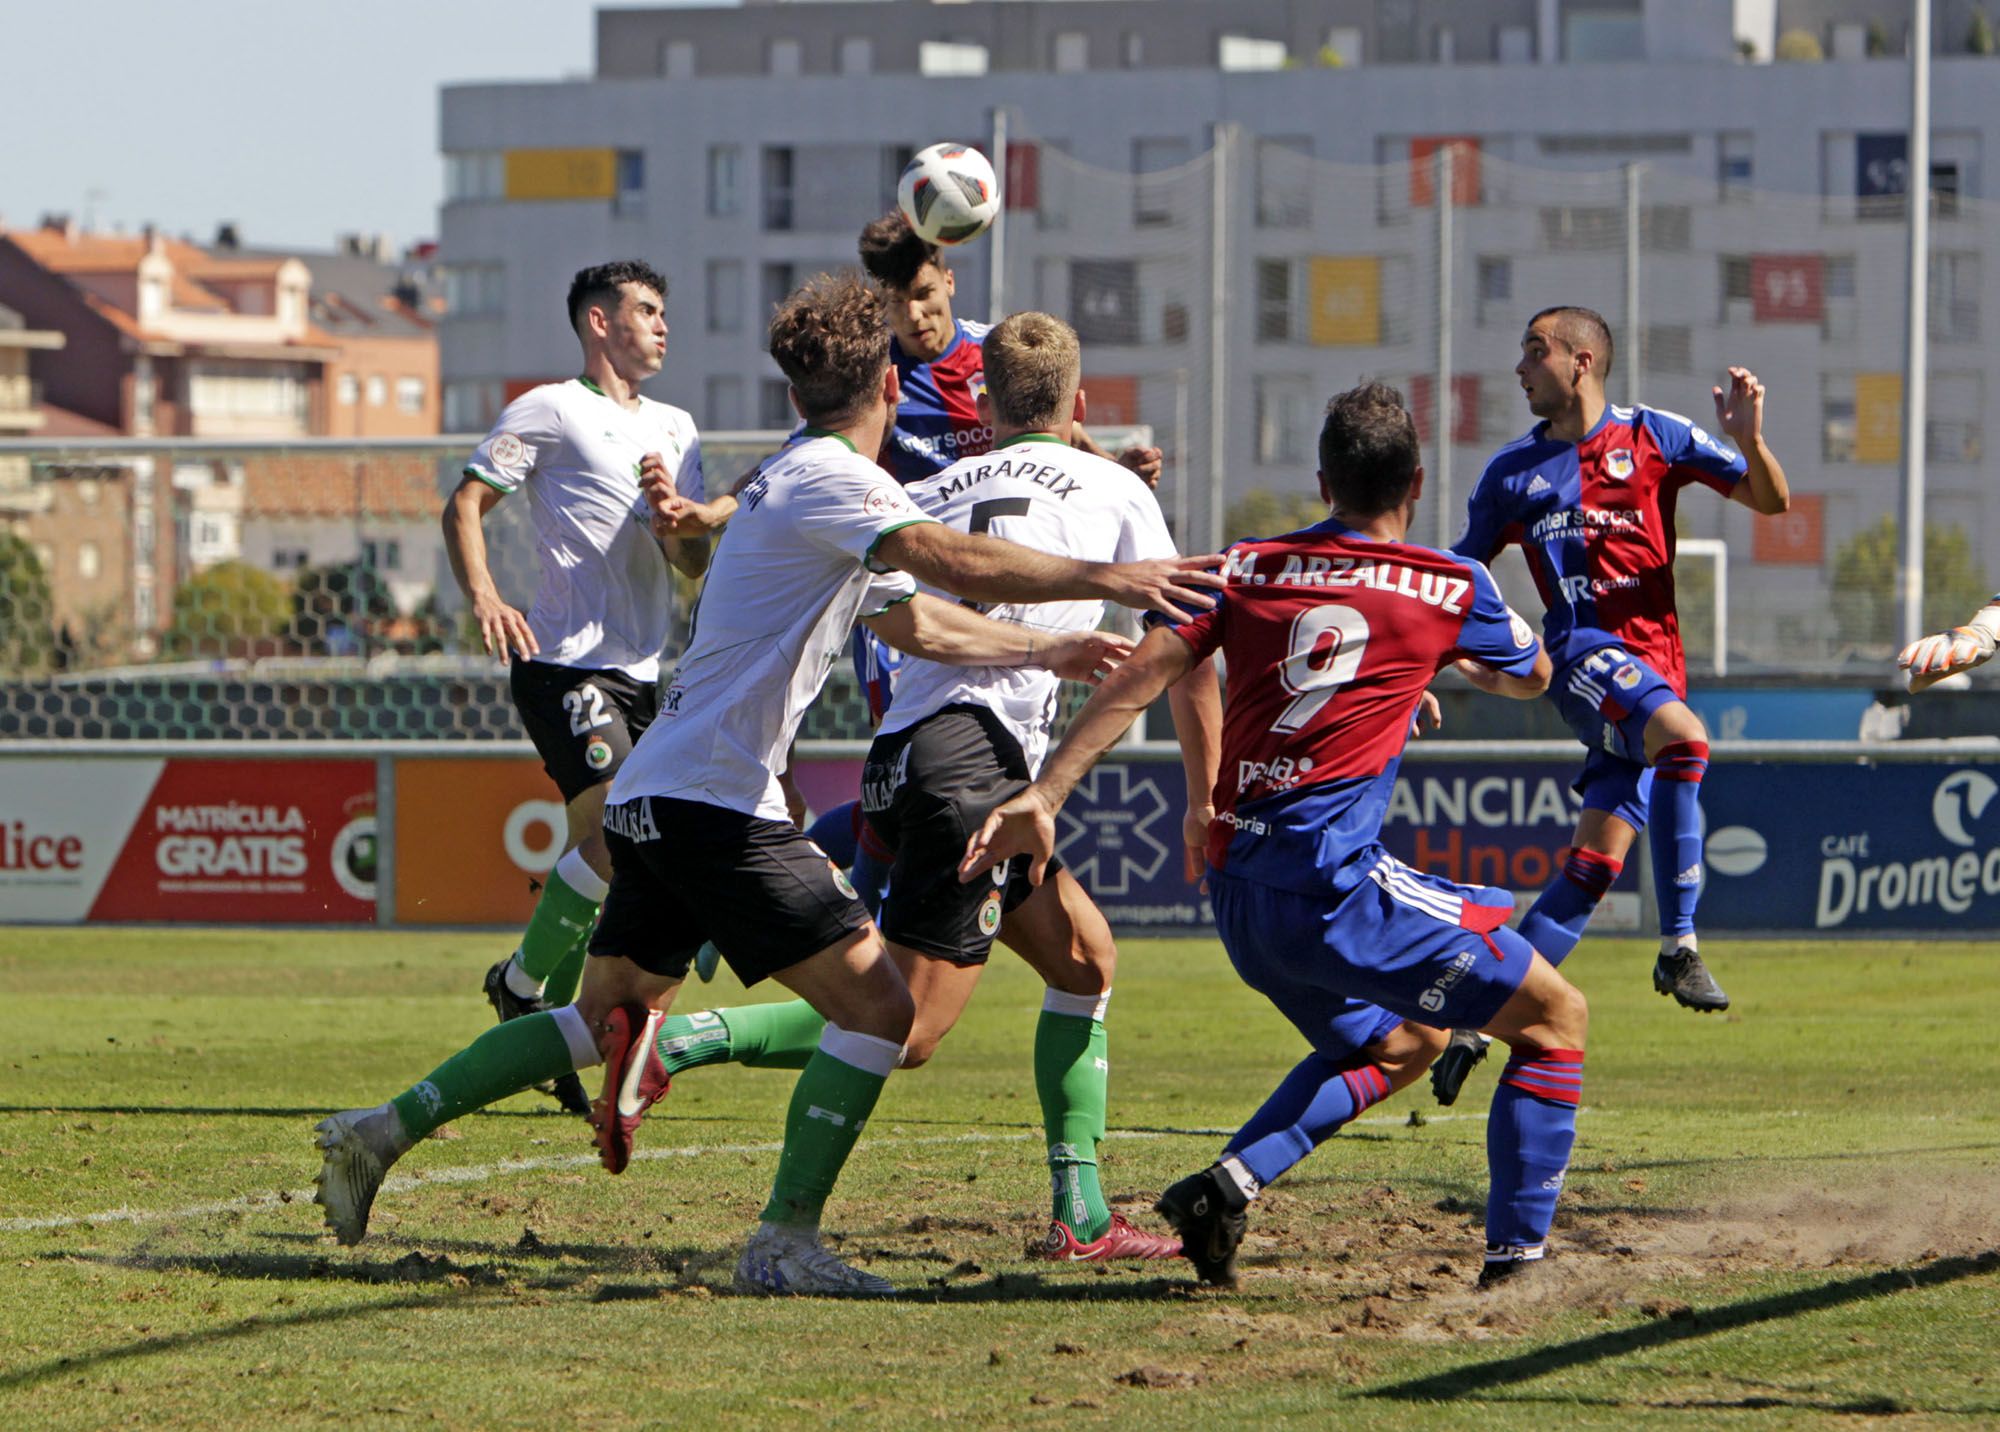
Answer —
949 194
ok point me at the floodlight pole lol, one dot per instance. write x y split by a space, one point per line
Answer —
1441 402
996 256
1917 194
1634 344
1218 337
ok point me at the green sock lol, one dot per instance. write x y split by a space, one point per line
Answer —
560 987
762 1036
562 915
831 1101
504 1060
1071 1075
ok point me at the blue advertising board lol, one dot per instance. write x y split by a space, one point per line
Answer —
1482 822
1852 846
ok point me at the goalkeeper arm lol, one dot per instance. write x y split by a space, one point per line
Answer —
1932 658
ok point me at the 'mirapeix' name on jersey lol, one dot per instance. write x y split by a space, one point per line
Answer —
1433 589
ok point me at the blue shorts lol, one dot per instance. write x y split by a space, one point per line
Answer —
1346 969
1607 697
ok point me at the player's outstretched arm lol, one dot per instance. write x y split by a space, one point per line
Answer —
1196 703
1931 659
1500 683
989 569
956 636
502 629
1740 414
1026 824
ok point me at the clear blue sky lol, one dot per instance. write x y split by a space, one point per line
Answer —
298 119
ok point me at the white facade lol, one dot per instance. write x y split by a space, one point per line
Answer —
748 182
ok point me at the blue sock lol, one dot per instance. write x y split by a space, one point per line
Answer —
1555 922
870 876
837 833
1673 815
1317 1097
1528 1138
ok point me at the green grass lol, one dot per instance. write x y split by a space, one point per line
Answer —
1786 1216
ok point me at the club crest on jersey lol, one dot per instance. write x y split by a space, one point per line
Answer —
1618 464
989 914
1627 677
597 755
881 501
507 450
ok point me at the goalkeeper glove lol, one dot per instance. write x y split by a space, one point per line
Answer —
1959 649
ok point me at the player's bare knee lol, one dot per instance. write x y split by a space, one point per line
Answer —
1405 1052
1567 1016
596 853
1672 724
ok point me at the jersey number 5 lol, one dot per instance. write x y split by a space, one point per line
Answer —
1321 656
981 521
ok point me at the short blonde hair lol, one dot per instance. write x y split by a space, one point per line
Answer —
1033 369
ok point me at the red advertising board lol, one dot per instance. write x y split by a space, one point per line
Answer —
277 842
1795 538
1787 288
1464 169
1464 407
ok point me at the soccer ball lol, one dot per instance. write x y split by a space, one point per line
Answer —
949 194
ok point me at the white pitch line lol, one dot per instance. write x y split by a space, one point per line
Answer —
479 1173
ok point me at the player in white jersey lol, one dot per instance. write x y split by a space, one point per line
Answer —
696 824
586 657
957 741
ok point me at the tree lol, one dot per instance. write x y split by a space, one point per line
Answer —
1799 45
1261 513
1979 39
1877 40
27 609
1865 598
230 609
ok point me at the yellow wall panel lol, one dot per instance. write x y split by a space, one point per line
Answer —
1346 298
1878 417
562 173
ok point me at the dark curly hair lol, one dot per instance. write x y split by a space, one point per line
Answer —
830 338
599 285
892 253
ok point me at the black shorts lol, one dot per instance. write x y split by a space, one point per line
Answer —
583 721
925 790
683 872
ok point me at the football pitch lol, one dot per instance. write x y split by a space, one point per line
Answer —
1785 1216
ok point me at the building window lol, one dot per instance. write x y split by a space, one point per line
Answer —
1592 36
88 561
895 159
725 162
630 202
385 555
473 290
287 559
785 58
677 59
1343 48
470 406
347 391
1838 318
377 390
1246 52
1666 348
1274 300
777 188
951 57
1495 291
410 395
1282 417
1132 50
1954 297
475 176
724 399
725 296
1284 182
1738 297
1152 199
779 281
774 405
1733 165
1515 45
857 55
1069 53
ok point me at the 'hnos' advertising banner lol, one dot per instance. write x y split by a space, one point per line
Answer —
1501 823
255 841
1852 847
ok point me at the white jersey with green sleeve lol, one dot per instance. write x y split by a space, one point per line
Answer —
1038 491
605 592
793 573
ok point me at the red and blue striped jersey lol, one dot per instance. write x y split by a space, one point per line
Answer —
1329 639
1596 520
937 421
